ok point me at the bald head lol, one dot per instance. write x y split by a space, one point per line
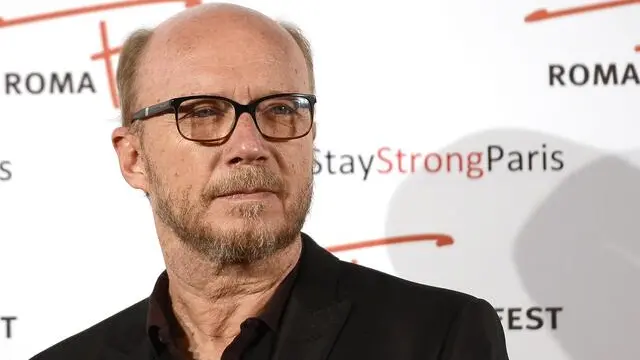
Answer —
218 49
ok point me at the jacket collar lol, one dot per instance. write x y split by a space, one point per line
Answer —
315 313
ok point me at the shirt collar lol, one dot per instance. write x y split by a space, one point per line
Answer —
163 327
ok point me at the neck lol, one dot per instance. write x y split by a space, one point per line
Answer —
210 301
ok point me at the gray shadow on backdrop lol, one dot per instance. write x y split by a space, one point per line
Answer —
573 238
582 244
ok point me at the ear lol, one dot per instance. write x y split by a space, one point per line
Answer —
128 148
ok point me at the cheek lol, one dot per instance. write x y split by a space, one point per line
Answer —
299 162
179 169
172 165
299 171
306 166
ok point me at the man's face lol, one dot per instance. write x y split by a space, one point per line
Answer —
186 181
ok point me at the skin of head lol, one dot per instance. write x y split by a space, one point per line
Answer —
226 50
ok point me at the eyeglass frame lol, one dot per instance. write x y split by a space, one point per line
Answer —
149 112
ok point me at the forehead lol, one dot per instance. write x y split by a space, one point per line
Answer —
239 58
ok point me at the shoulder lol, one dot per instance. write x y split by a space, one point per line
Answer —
367 283
408 302
91 343
424 317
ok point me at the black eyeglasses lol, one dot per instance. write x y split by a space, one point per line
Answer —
207 118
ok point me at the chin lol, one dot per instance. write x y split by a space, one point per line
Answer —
246 210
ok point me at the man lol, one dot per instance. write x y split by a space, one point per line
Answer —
217 105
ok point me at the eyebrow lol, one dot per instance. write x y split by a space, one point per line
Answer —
272 91
261 93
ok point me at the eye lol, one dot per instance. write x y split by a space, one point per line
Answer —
205 108
203 112
281 109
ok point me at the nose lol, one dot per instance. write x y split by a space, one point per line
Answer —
245 145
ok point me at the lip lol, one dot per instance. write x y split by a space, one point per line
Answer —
249 195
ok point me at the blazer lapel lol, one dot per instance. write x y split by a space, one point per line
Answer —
315 314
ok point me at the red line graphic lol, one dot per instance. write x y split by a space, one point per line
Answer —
108 64
90 9
440 240
106 52
544 14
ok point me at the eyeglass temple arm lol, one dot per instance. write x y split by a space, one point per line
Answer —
152 110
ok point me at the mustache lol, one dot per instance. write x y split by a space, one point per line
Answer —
245 180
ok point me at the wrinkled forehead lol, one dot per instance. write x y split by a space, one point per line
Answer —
238 59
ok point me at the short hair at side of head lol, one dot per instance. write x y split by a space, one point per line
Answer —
126 75
133 50
305 46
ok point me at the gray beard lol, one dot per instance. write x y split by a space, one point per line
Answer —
254 241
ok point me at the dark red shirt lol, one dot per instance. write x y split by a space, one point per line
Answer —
255 341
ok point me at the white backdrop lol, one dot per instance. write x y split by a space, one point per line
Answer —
547 233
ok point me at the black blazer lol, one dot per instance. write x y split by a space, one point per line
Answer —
337 311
